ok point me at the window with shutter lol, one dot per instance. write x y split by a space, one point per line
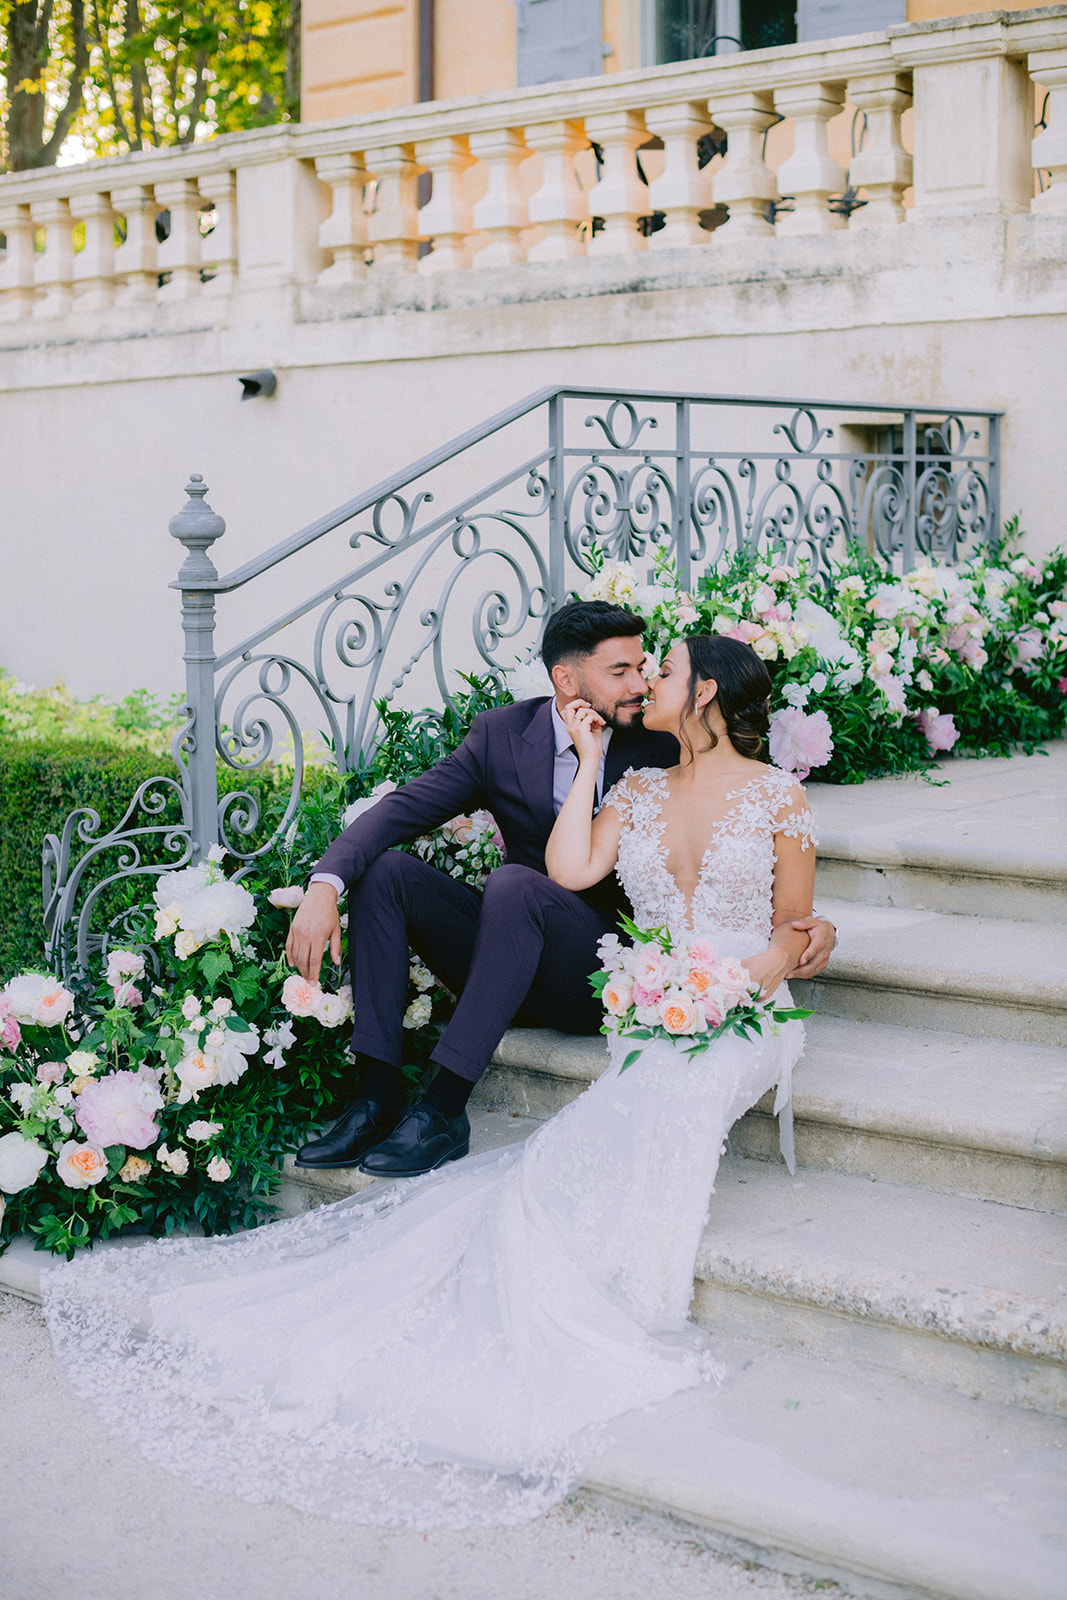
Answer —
557 39
832 19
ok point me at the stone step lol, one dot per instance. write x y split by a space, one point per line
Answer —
988 977
988 838
893 1488
981 1118
966 1293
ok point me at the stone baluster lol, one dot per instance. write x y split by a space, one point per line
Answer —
502 212
883 166
446 218
745 184
17 290
620 197
179 254
94 267
682 191
55 269
344 231
393 227
219 248
559 205
1049 149
810 174
135 259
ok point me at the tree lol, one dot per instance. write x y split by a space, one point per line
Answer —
118 75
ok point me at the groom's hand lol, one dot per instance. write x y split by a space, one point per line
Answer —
821 937
316 924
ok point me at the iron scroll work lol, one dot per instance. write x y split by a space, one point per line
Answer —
422 594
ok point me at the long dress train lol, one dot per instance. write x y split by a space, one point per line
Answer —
449 1350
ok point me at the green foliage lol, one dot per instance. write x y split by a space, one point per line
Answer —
139 722
41 782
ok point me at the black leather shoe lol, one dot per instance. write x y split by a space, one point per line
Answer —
361 1124
423 1139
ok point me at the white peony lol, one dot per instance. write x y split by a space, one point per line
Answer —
529 680
208 904
358 807
21 1161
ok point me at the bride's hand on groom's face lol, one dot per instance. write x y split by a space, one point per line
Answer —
585 728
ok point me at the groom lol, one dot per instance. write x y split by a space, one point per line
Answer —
521 950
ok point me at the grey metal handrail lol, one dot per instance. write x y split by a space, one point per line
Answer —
566 476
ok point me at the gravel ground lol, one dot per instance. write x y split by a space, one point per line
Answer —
84 1518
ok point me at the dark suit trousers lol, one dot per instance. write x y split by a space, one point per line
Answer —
522 951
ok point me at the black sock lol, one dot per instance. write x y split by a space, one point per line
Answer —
448 1093
381 1081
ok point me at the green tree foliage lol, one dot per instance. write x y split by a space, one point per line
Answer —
107 76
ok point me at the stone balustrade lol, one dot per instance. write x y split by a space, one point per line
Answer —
597 167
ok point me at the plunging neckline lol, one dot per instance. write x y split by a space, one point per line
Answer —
660 781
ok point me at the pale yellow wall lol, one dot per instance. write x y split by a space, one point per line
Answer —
474 47
359 55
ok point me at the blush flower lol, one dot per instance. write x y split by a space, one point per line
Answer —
118 1109
939 728
218 1169
299 996
287 898
21 1161
681 1013
124 966
51 1071
800 741
617 998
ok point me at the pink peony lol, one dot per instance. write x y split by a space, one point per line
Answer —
1029 647
940 730
118 1109
702 954
10 1033
714 1007
651 967
799 742
126 994
644 996
300 997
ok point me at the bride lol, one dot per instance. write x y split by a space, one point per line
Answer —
450 1350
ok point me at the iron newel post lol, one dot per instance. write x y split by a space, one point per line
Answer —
197 527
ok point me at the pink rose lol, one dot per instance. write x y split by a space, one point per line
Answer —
617 998
118 1109
51 1071
124 964
643 996
799 742
734 976
747 632
10 1033
299 997
127 995
702 954
287 899
940 730
712 1007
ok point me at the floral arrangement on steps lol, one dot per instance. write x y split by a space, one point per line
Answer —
875 673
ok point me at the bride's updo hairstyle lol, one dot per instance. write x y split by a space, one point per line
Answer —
743 693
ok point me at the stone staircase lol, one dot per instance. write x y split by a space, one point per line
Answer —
894 1317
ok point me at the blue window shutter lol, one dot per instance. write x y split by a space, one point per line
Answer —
834 19
557 39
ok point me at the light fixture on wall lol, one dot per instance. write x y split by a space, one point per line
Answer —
259 383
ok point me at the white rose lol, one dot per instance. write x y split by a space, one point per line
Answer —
21 1161
202 1130
81 1165
168 920
185 945
221 1007
218 1169
358 807
286 899
331 1011
175 1161
418 1012
81 1063
190 1008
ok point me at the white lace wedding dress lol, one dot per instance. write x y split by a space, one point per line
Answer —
448 1350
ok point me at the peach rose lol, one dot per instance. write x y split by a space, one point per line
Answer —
698 980
52 1006
135 1169
681 1014
81 1165
617 998
300 997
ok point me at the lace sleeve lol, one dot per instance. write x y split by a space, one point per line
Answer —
792 816
621 795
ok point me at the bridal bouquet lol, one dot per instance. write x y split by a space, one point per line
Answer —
660 988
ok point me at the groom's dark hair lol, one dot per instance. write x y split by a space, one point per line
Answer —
577 629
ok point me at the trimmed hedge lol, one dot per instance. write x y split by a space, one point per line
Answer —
41 782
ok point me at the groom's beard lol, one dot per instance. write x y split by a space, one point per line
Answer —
621 713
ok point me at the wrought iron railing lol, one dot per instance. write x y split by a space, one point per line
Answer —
566 475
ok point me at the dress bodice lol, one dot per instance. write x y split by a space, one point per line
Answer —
733 893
